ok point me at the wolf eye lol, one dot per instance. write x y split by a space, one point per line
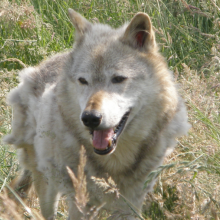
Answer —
83 81
118 79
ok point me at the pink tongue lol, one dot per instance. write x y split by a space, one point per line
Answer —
101 138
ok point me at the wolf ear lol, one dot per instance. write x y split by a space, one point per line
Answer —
79 22
139 33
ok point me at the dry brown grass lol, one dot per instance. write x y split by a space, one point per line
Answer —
79 184
16 14
194 186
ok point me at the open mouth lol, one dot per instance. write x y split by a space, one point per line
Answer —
104 141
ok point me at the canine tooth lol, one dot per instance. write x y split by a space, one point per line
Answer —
109 143
90 139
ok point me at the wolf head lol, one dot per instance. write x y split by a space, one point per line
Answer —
115 76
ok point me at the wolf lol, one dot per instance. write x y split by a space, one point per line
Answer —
112 93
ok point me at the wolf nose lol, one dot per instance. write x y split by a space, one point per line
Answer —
91 119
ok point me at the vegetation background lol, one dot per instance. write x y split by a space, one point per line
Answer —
188 32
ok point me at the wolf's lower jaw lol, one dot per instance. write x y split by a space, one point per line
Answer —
112 143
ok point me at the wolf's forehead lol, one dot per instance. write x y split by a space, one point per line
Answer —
99 61
103 54
105 60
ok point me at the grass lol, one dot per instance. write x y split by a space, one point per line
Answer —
188 34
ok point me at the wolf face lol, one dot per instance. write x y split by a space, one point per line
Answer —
108 73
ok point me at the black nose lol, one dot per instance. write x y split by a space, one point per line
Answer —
91 119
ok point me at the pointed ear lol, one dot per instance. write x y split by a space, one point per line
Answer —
79 22
139 33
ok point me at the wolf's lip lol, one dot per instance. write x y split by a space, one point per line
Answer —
113 141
